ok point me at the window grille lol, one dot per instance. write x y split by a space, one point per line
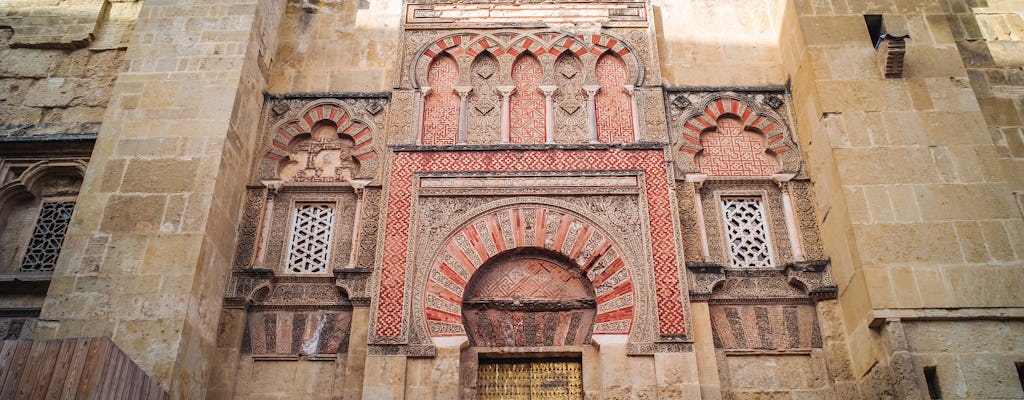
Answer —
47 237
309 248
746 232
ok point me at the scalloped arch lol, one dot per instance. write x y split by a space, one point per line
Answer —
317 111
519 226
540 43
706 119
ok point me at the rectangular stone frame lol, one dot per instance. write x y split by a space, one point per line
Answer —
391 306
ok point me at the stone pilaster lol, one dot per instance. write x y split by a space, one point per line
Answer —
165 188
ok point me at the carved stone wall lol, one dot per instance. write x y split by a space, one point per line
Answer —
390 318
756 129
294 154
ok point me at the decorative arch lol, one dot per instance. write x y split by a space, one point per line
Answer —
613 104
35 211
484 104
729 137
29 182
582 244
570 99
527 298
514 44
316 114
441 106
527 111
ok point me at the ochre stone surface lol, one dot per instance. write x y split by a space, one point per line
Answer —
916 206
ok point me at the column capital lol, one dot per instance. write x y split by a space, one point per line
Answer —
273 184
424 90
463 91
629 89
591 89
505 91
548 90
782 179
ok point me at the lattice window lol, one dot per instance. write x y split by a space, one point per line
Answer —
746 232
48 236
309 248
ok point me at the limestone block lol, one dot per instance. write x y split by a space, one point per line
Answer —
160 175
965 202
672 370
881 287
934 291
885 166
835 30
20 114
927 61
28 63
1000 112
771 373
907 243
384 377
879 203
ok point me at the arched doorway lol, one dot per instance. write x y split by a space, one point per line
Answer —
529 298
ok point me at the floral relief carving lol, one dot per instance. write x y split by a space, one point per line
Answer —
484 103
570 102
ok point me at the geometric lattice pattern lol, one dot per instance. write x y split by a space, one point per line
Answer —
668 288
530 379
746 232
528 278
528 302
527 108
731 151
309 249
441 106
48 236
614 107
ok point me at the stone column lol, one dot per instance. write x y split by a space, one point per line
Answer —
463 92
634 112
698 180
549 112
787 209
421 99
155 237
268 215
704 349
358 185
446 367
355 360
506 93
592 111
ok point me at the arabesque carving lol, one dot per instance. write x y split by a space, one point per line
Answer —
321 140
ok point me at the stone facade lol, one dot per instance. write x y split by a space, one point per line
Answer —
637 198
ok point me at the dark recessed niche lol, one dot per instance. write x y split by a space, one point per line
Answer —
875 29
931 376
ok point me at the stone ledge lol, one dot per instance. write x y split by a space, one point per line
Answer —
529 147
879 317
